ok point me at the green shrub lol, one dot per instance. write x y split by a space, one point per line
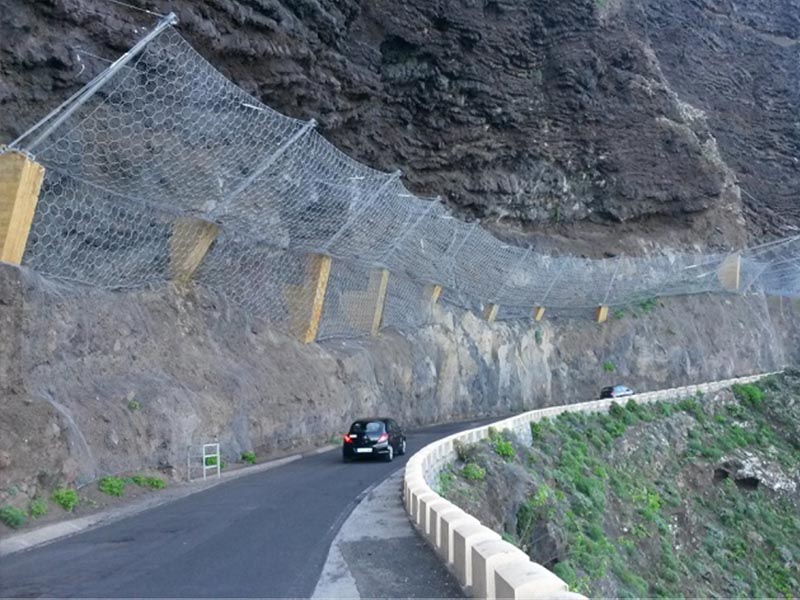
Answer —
211 461
65 498
616 410
113 486
641 412
537 335
615 427
503 448
693 407
249 457
473 472
537 428
600 438
648 502
748 394
134 405
565 571
636 584
609 367
155 483
12 516
664 409
38 508
530 511
445 481
648 305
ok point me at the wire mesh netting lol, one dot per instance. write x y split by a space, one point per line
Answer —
168 169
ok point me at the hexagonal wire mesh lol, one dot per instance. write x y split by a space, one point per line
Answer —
168 159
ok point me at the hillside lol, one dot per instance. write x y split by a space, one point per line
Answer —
552 120
577 127
698 498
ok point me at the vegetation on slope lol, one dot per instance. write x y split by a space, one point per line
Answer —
695 498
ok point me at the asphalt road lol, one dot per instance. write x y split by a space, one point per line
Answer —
264 535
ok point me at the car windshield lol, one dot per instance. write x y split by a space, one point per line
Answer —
367 427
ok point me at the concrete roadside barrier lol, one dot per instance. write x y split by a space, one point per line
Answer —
526 580
487 557
465 537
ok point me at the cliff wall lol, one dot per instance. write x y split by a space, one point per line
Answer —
106 382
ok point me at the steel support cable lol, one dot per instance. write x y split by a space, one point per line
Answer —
74 102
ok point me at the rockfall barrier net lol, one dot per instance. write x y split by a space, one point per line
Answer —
167 150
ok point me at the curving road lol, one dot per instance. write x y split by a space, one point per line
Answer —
264 535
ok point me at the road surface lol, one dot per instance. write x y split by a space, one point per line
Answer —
264 535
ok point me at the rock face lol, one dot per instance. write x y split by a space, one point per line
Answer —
96 383
550 116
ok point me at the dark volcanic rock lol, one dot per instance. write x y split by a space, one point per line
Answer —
547 112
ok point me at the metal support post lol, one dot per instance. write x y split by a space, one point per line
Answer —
78 99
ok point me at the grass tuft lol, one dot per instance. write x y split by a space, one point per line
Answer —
65 498
12 516
38 508
113 486
473 472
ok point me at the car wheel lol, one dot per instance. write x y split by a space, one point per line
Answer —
390 454
402 449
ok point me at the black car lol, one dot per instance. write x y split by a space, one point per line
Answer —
374 437
617 391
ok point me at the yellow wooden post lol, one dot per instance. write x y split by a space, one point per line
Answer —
490 312
729 272
434 292
307 300
20 182
538 313
190 241
602 314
